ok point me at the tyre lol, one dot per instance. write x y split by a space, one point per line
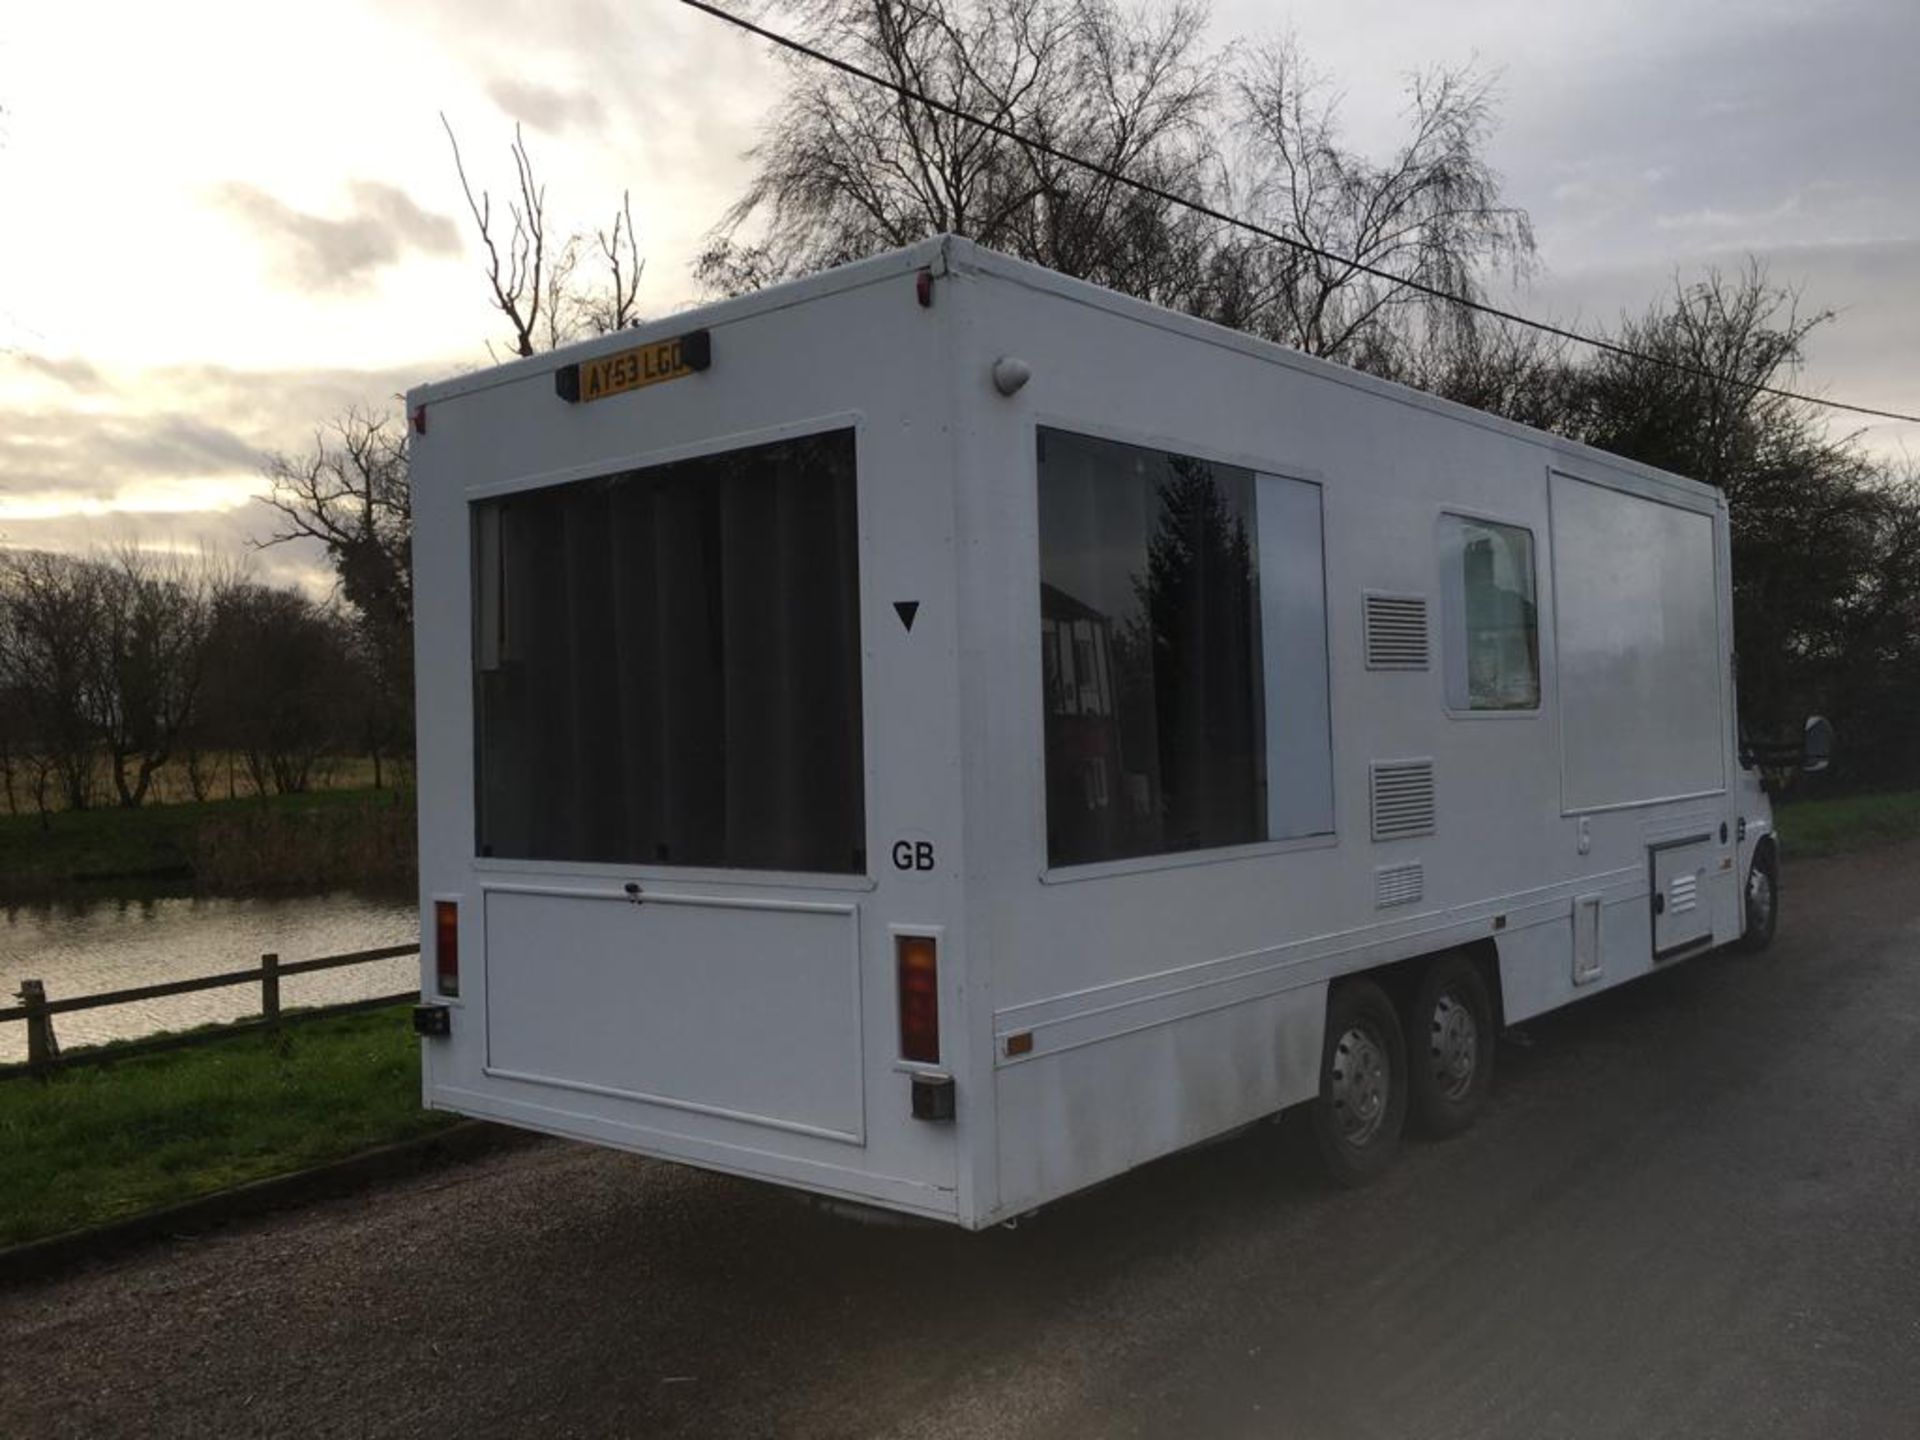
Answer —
1762 900
1450 1046
1362 1106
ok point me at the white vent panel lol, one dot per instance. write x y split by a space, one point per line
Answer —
1400 793
1683 893
1398 884
1396 632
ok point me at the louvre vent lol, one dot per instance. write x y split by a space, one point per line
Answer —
1396 632
1401 792
1397 884
1683 893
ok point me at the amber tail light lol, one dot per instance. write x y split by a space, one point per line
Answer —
446 947
919 985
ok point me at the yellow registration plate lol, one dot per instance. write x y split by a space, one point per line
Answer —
633 369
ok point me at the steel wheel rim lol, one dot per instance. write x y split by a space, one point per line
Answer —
1759 898
1360 1084
1453 1044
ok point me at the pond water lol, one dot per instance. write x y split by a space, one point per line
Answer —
81 947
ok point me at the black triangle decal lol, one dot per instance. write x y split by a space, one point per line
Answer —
906 610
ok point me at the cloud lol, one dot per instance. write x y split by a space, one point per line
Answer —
73 373
147 497
545 108
181 445
680 97
281 407
171 457
324 253
76 460
180 442
1791 128
1754 226
231 535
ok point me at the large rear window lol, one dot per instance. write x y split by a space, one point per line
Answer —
667 664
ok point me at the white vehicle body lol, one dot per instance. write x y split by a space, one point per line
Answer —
1103 999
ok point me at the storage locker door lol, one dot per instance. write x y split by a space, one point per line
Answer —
1682 918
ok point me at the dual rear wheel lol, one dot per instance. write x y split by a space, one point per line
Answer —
1428 1062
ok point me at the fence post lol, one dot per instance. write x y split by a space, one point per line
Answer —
270 988
42 1048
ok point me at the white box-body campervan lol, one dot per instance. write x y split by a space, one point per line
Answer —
938 734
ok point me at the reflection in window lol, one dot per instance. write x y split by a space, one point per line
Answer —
1150 643
1493 639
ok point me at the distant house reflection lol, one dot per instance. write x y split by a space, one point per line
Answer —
1153 690
1083 724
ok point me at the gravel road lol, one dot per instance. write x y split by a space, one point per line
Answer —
1692 1209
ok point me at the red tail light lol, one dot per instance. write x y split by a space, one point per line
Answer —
919 982
446 946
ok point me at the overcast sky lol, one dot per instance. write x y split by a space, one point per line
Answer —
221 223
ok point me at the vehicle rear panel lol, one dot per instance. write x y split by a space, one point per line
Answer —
628 767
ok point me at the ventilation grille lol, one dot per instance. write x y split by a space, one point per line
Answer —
1398 884
1683 893
1396 632
1401 792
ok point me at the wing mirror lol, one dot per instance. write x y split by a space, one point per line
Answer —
1816 745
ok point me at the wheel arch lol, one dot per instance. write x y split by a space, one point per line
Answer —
1401 979
1765 859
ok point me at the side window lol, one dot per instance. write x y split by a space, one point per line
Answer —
1150 617
1492 617
1164 579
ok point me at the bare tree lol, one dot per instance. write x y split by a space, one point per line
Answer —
1693 404
614 308
1431 214
518 277
348 492
148 657
562 304
536 280
1496 366
101 658
844 170
14 733
47 648
279 683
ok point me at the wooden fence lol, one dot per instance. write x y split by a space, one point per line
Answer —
36 1011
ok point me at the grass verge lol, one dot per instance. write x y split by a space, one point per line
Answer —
97 1143
1811 828
320 840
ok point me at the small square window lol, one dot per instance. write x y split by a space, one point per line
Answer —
1492 616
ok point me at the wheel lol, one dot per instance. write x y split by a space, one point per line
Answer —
1450 1035
1763 901
1362 1105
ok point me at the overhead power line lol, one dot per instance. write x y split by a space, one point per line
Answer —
1291 242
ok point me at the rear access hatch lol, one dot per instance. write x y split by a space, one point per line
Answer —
743 1008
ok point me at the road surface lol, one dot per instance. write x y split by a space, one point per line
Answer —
1692 1209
